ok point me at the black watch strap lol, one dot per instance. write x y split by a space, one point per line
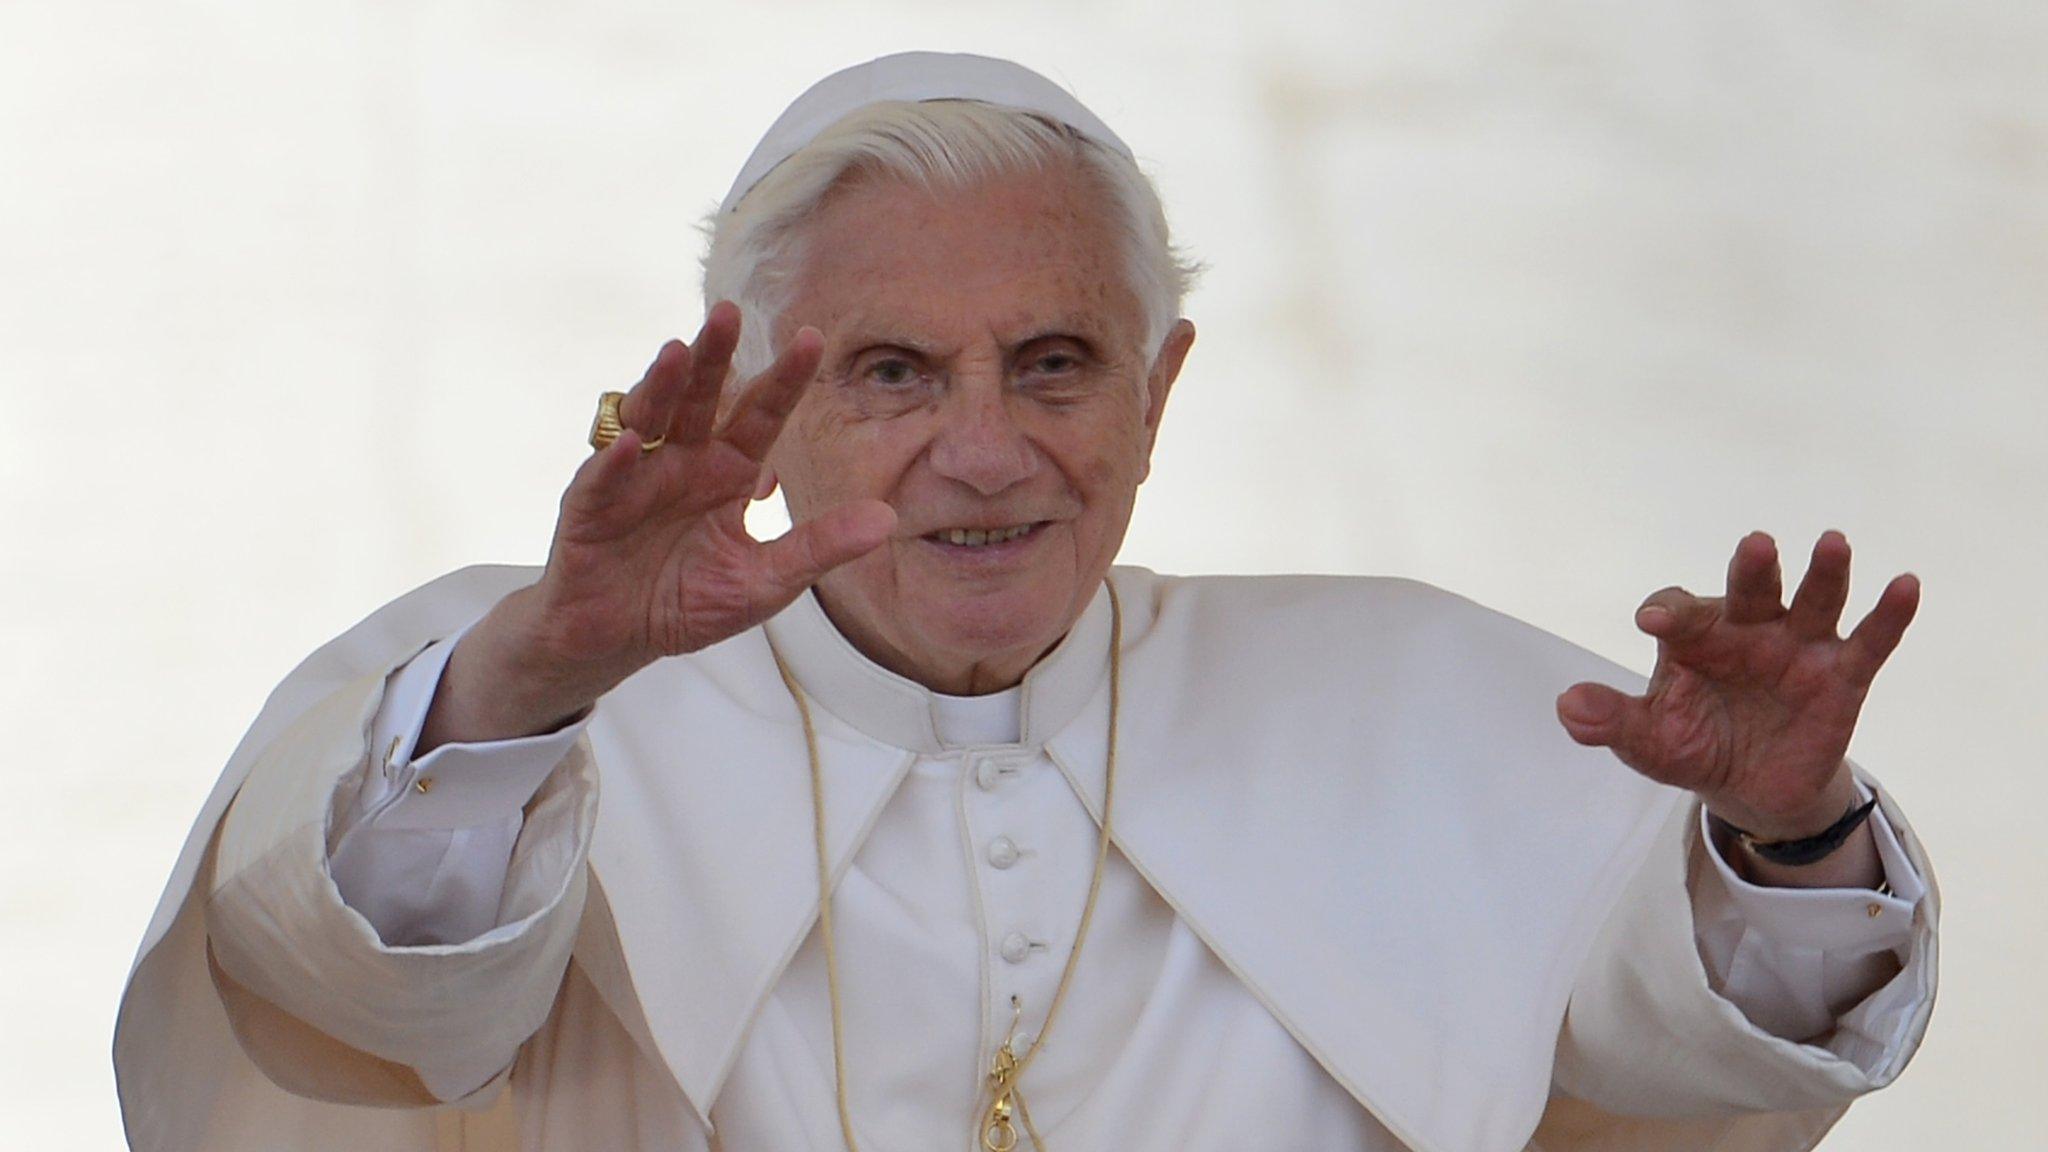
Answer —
1811 850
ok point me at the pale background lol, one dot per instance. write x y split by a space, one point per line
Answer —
301 305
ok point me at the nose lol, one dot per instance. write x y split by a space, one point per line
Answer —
979 442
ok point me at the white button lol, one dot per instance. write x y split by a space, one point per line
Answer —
1016 946
988 773
1002 852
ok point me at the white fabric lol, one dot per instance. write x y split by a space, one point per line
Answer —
913 76
1415 727
990 719
966 894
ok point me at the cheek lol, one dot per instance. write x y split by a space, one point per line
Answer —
804 461
1113 459
830 457
1104 475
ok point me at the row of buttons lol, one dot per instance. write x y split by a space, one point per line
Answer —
989 770
1003 853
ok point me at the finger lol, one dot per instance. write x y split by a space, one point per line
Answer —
1676 616
1602 717
697 408
1877 634
797 559
602 483
1755 588
1817 606
649 405
761 411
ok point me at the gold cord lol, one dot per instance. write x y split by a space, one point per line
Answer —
997 1132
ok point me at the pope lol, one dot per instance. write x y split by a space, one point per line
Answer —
925 826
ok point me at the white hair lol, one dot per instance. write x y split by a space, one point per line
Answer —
756 249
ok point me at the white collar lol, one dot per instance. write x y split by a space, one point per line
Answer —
979 721
902 713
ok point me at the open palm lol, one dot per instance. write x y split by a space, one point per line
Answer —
651 556
1752 702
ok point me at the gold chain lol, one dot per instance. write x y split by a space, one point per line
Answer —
998 1129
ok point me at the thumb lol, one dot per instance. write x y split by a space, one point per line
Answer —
796 559
1601 717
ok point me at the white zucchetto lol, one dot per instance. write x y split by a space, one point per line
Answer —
913 76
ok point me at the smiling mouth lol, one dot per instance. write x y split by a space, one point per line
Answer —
981 537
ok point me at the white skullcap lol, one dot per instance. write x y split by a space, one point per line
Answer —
914 76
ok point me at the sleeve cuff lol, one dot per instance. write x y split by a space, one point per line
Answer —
1829 919
456 785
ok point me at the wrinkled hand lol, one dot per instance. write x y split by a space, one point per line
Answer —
651 555
1752 702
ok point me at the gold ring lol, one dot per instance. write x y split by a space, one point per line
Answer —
607 427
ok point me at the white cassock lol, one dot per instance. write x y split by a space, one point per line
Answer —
1365 895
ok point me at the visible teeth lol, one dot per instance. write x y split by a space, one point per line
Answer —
976 537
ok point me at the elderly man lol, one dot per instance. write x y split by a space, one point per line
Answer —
923 827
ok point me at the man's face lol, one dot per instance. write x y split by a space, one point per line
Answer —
985 374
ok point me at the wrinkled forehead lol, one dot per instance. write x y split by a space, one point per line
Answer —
1011 256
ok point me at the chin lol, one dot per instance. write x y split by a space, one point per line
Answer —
996 622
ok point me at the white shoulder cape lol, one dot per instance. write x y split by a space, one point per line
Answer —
1354 790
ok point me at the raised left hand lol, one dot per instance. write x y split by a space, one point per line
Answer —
1752 702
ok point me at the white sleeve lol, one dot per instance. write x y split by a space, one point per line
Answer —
317 997
422 851
1794 960
1669 1040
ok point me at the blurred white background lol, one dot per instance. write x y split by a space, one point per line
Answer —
1547 302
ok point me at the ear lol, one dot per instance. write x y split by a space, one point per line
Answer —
1173 352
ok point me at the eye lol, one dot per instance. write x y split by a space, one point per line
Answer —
1055 359
890 372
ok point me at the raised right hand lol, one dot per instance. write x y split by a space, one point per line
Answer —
651 555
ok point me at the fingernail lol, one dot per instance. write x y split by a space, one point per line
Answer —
1577 708
1654 616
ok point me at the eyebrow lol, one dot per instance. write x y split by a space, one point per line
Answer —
865 332
1075 325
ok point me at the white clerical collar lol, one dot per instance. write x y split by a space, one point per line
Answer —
966 720
901 712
